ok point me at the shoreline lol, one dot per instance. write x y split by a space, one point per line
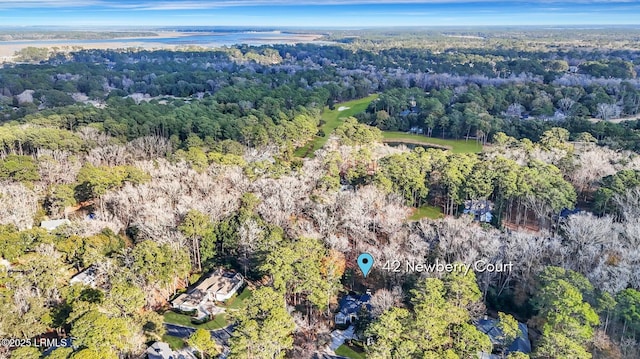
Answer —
8 48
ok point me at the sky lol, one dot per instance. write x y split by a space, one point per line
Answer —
316 13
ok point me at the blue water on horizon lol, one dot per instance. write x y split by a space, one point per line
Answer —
197 39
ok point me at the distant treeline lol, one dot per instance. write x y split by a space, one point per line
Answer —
71 35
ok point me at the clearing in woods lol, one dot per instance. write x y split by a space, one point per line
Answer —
332 119
455 146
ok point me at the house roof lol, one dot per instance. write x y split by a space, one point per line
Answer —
478 206
520 344
87 276
53 224
351 304
218 282
160 350
566 212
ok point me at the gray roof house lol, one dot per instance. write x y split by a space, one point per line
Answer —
479 209
521 344
160 350
218 286
349 307
86 277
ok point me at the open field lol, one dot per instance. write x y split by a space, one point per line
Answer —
220 321
346 351
426 211
456 146
175 343
332 121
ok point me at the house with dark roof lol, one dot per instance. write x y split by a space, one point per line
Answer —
566 212
490 327
349 307
479 209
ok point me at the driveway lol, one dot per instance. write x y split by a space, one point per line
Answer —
338 337
221 336
178 330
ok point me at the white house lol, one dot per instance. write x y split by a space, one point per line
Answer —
86 277
161 350
53 224
218 286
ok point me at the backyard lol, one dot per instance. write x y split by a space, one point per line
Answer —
219 321
346 351
175 343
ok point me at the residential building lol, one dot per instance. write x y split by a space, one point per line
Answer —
53 224
350 306
479 209
218 286
86 277
490 327
161 350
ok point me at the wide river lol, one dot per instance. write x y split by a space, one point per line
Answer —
168 40
194 38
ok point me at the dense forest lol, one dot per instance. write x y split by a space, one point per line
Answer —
171 164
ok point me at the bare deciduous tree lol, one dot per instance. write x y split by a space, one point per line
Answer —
18 205
607 111
587 237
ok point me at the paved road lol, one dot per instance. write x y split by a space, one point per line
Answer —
178 330
327 356
220 335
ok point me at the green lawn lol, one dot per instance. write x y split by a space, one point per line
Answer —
237 301
456 146
219 321
346 351
332 119
426 211
175 343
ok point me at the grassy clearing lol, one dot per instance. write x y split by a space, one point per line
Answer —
175 343
455 146
332 119
426 212
219 321
346 351
236 302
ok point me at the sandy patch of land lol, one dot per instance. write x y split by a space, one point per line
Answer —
342 108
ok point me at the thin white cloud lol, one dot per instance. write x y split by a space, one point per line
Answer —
48 3
204 4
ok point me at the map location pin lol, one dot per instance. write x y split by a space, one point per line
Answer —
365 262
